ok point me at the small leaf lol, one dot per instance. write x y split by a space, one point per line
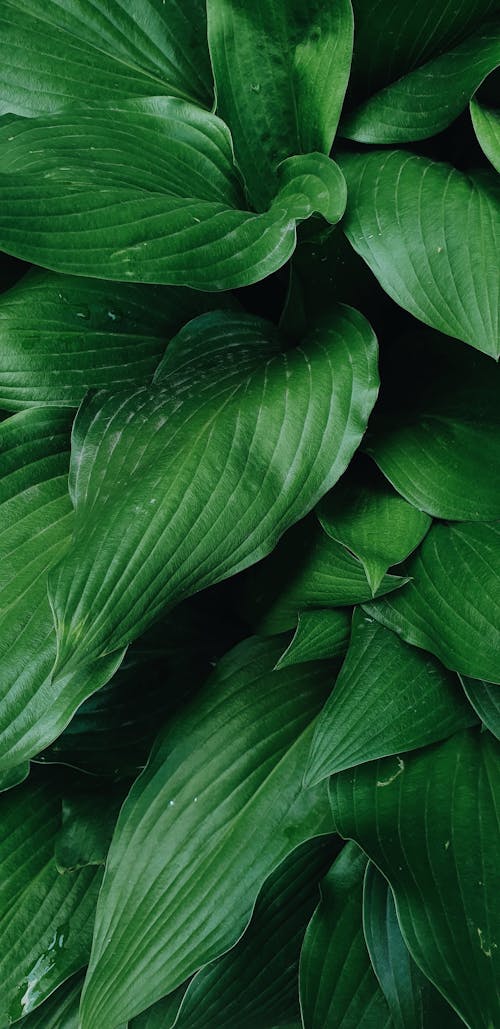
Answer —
338 988
319 635
485 699
452 604
486 122
430 824
429 234
388 698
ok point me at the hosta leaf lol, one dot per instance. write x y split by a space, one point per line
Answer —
439 445
60 1010
365 514
338 988
430 824
413 1001
14 775
195 478
255 985
485 699
281 71
88 820
61 335
307 571
388 698
56 53
36 520
45 918
429 234
161 200
319 634
486 121
452 604
186 864
424 102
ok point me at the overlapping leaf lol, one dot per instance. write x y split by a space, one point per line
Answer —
486 121
319 634
485 699
60 1010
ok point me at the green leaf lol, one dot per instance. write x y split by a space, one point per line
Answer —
45 918
88 821
281 71
486 122
413 1001
307 571
36 520
438 441
170 205
60 1010
186 863
56 53
430 824
255 985
485 699
161 1015
428 232
427 100
369 518
13 776
452 604
61 335
338 989
319 635
197 477
388 698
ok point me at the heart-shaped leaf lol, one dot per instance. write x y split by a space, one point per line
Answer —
452 604
486 122
430 824
485 699
185 864
429 234
388 698
319 634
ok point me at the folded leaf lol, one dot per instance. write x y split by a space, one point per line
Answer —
186 863
338 988
435 257
430 824
451 606
365 514
388 698
427 100
161 200
56 53
486 122
281 71
182 484
319 635
485 699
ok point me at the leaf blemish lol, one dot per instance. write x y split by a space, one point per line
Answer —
387 782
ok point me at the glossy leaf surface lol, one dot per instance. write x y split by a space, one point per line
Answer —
486 121
319 634
60 1010
485 699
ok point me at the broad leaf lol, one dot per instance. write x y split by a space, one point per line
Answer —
281 71
365 514
451 606
186 864
319 634
486 121
255 985
427 100
430 824
429 234
13 776
196 477
170 205
485 699
60 1010
413 1001
45 918
56 53
36 520
388 698
338 988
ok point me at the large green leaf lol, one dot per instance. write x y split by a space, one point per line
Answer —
429 234
413 1001
45 918
338 988
186 861
319 634
160 201
56 52
281 69
485 699
388 698
61 335
452 604
424 102
36 520
438 440
486 121
182 484
365 514
255 985
430 824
